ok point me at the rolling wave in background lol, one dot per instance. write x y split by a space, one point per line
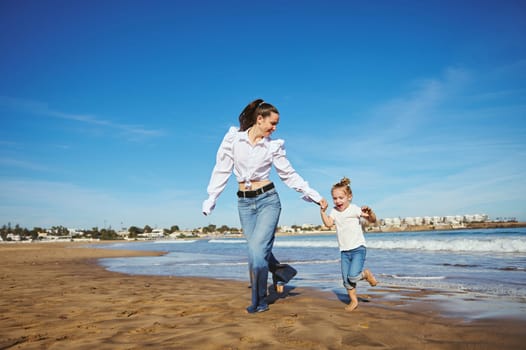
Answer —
498 245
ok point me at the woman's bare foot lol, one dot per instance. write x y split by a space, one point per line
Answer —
369 277
280 288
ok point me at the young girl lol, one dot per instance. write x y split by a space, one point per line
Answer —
347 218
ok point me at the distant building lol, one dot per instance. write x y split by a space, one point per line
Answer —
450 220
409 221
75 232
13 237
308 226
453 220
395 222
155 234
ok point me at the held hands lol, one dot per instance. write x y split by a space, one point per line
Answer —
323 204
327 221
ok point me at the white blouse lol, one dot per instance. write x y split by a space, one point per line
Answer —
252 163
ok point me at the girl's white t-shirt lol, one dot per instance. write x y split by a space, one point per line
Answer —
348 227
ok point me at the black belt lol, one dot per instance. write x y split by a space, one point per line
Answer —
255 193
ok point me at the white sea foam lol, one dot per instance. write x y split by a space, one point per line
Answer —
424 278
174 241
285 244
497 245
228 241
307 244
215 263
314 262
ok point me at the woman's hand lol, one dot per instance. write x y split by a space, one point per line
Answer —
323 204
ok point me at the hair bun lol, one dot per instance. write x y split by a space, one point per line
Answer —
345 181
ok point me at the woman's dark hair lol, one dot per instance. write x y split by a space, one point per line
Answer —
248 117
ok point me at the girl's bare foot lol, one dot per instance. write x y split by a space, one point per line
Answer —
352 305
354 300
369 277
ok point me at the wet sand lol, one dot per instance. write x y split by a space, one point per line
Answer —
55 296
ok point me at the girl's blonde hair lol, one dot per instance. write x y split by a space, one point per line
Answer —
344 184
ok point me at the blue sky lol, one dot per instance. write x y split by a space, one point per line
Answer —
111 111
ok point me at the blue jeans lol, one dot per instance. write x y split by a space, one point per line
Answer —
259 218
352 266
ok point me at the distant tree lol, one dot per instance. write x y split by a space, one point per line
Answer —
174 228
134 231
209 228
223 229
147 229
94 233
34 233
3 232
59 230
109 234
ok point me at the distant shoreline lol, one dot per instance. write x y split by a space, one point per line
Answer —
418 228
446 227
370 229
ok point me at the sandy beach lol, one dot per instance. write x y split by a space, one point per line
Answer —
55 296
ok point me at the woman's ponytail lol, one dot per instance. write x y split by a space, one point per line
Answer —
249 115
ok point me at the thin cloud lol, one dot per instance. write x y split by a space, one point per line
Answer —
8 143
38 108
490 186
432 151
406 115
424 120
49 203
17 163
399 121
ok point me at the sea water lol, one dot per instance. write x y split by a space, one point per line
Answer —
486 264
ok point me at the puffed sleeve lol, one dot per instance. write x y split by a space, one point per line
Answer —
221 172
288 175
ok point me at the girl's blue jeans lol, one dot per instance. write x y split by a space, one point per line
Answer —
352 266
259 218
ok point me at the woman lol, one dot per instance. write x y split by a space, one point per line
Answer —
250 153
